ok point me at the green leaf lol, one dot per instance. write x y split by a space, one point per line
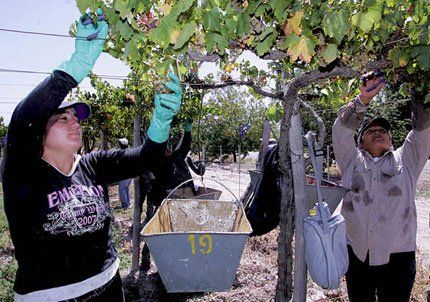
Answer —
365 21
124 29
301 48
163 67
391 3
265 33
181 7
121 7
427 99
336 25
399 57
186 33
375 12
222 43
211 20
243 24
210 41
279 7
265 45
131 49
161 34
422 56
261 10
231 24
274 113
330 53
83 5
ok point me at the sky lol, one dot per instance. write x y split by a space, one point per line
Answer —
45 53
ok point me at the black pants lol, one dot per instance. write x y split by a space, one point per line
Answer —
391 282
110 292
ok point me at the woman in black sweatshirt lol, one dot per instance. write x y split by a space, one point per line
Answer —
56 201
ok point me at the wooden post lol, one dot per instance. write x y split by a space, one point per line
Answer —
239 151
299 179
220 154
263 145
328 162
137 208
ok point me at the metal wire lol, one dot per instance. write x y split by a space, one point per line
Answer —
46 34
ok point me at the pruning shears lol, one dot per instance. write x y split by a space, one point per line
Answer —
372 75
86 20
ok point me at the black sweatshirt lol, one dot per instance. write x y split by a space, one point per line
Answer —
172 172
60 225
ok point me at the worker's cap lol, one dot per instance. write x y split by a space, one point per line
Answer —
366 124
82 109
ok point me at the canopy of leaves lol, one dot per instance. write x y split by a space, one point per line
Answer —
156 33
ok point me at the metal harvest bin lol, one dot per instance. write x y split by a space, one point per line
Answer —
197 244
332 193
202 193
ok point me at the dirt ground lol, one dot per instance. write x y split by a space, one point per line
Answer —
256 277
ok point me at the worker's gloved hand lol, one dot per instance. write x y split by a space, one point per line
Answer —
188 125
90 39
166 106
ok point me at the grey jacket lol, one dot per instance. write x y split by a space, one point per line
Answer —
380 209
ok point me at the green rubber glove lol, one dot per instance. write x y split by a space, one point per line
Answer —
89 43
166 106
188 125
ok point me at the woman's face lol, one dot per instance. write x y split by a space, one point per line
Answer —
63 132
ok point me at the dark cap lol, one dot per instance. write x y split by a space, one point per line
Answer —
82 109
366 124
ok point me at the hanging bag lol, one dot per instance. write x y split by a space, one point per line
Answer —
326 252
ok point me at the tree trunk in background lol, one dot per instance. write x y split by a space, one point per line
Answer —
103 140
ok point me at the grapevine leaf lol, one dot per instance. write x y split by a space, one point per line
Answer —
211 20
293 24
174 35
186 33
279 7
422 55
330 53
365 21
124 29
161 34
336 25
243 24
265 45
301 48
121 8
83 5
181 7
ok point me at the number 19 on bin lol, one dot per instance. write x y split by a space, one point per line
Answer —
205 244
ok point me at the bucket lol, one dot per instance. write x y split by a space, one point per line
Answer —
196 244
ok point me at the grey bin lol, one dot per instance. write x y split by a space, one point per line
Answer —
255 178
202 193
332 193
196 244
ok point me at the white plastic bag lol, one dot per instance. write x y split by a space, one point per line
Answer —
326 252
